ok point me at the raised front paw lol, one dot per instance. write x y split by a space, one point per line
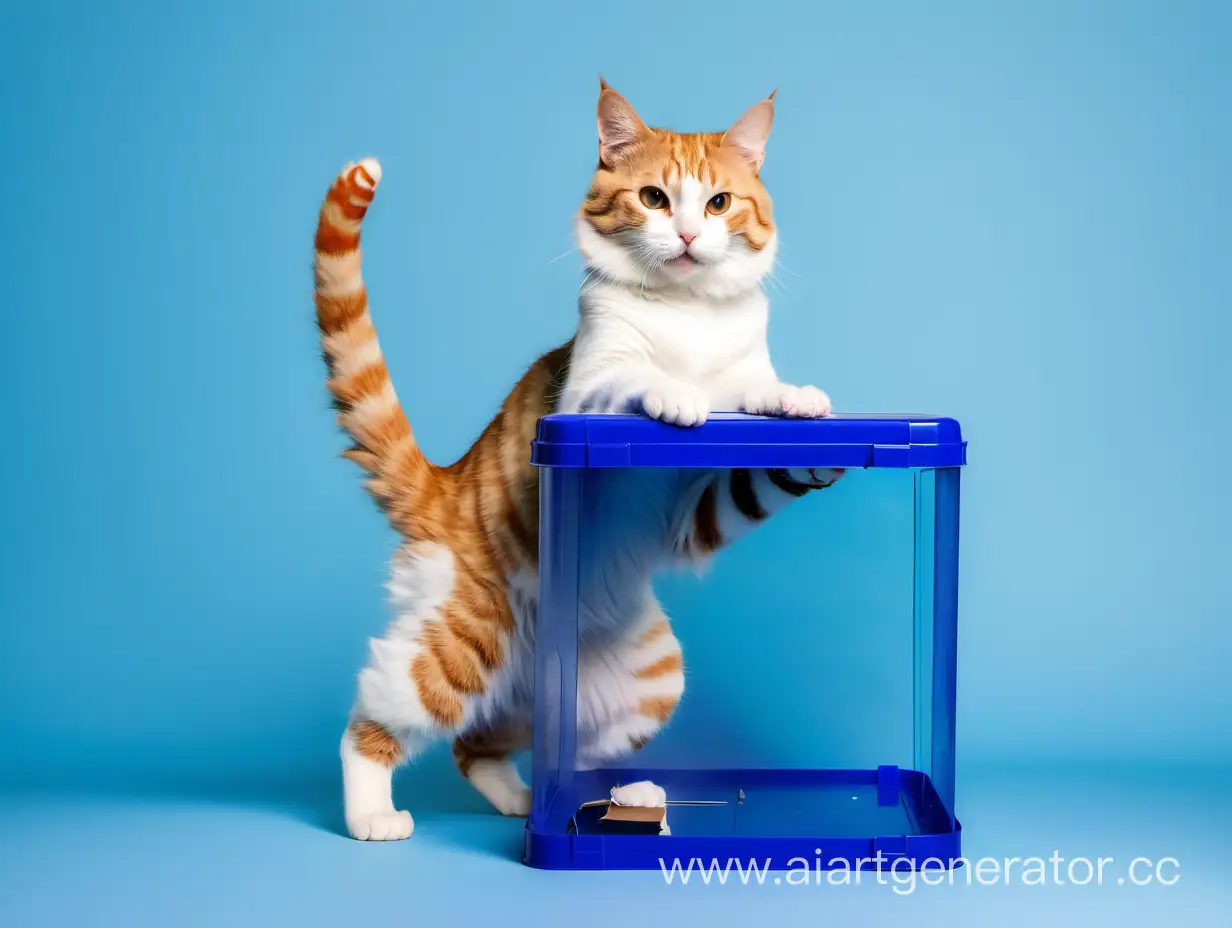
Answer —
676 404
816 478
785 400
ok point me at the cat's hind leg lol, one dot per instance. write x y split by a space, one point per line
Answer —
629 690
394 719
485 757
423 681
370 752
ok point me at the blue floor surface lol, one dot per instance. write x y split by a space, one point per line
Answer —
222 856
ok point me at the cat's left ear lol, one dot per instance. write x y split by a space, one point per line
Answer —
620 128
748 135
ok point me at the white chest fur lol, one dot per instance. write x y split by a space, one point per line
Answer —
717 346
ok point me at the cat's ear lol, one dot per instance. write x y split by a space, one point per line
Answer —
620 128
748 136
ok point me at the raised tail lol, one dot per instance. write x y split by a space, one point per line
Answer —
368 407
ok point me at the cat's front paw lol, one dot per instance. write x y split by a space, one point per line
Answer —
785 400
676 404
816 478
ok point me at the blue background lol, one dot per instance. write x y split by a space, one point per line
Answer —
1013 214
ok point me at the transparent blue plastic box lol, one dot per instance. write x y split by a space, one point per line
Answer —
858 773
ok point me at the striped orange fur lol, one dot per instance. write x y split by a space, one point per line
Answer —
471 528
489 743
374 741
484 507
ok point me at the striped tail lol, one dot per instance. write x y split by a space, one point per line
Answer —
368 408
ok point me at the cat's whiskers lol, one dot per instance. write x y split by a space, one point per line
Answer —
789 270
770 276
648 259
593 272
560 256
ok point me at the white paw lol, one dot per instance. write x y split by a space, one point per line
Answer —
676 404
500 784
515 803
785 400
381 826
642 793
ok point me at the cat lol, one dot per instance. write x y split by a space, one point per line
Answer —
677 235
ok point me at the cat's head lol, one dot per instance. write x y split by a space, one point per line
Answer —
679 211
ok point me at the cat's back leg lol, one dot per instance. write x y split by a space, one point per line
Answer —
484 755
628 690
424 680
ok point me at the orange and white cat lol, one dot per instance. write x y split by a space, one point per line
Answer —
677 234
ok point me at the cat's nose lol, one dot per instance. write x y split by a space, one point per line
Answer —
687 238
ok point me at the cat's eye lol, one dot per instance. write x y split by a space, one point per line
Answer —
653 198
717 204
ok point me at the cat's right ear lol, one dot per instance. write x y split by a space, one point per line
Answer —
620 128
748 136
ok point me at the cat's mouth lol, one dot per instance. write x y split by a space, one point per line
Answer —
683 260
